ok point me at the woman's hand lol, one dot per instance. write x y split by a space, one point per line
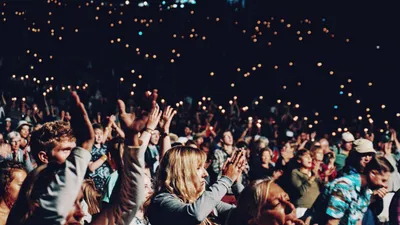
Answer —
154 117
233 167
167 117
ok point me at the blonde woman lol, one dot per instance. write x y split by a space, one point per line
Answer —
263 202
181 196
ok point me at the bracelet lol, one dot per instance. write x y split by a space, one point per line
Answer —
149 130
104 157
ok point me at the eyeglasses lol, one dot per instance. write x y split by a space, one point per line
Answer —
371 154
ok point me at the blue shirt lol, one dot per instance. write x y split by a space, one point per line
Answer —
345 199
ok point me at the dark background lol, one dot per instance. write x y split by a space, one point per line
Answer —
225 49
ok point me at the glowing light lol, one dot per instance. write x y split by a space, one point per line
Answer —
278 101
319 64
383 106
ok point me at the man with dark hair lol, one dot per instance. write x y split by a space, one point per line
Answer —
346 199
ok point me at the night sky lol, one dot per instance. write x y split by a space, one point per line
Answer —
364 48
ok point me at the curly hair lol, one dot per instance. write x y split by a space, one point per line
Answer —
46 137
7 169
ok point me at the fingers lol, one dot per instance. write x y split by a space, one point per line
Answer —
122 107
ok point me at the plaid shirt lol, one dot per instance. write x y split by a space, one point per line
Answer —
220 157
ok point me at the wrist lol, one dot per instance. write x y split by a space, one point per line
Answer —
149 130
104 157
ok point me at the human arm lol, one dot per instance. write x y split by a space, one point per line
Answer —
165 124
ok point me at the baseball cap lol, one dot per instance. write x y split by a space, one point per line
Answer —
348 137
364 146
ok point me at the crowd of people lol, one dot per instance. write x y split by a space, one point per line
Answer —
71 161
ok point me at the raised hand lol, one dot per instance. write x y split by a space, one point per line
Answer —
154 117
167 116
80 124
133 123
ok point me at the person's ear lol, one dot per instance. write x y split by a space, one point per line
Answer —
43 157
372 174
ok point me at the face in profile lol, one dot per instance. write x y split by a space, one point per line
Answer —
15 185
200 182
378 180
278 210
76 214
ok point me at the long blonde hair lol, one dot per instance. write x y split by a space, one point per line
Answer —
178 171
91 196
251 203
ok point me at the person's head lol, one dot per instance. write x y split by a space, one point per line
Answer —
148 186
329 158
261 143
303 136
91 196
116 150
263 202
182 173
34 186
1 138
304 159
198 140
98 133
24 128
227 138
377 172
265 154
12 175
362 154
8 122
324 145
187 131
191 143
155 137
385 142
347 141
288 150
52 142
318 154
14 139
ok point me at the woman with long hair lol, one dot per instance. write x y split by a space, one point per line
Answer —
12 175
263 202
181 196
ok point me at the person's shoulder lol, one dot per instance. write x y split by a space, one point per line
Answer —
347 182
